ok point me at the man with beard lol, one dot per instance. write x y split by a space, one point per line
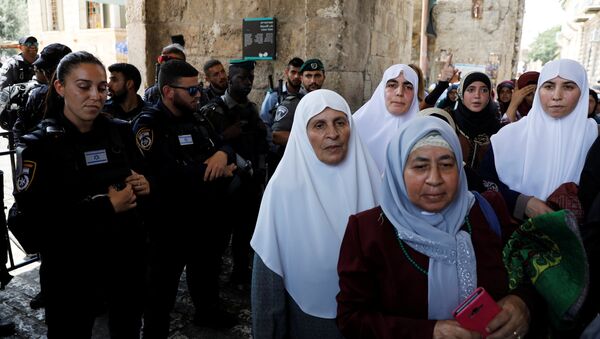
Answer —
188 169
291 86
236 118
215 75
123 84
313 76
173 51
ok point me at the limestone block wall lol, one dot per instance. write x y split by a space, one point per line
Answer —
473 40
356 40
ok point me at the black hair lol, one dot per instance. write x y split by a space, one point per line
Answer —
54 102
176 49
594 95
172 70
421 80
296 62
178 39
209 64
129 71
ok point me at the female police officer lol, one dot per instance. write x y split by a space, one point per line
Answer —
77 183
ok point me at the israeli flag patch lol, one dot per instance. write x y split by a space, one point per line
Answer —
96 157
186 139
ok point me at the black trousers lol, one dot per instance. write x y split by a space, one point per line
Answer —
77 286
245 204
196 246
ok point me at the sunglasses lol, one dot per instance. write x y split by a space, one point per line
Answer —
164 58
30 44
192 91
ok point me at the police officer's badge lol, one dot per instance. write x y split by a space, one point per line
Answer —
144 138
26 175
280 112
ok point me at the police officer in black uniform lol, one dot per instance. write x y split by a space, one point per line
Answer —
45 65
79 184
313 76
190 166
236 118
19 68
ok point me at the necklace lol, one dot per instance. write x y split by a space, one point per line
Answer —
411 260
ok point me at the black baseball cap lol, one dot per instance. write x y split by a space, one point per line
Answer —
51 55
28 38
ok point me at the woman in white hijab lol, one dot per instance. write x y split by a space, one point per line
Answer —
532 157
393 103
325 175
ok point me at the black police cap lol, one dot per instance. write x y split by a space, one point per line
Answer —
51 55
246 64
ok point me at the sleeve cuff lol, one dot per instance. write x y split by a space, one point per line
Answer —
520 206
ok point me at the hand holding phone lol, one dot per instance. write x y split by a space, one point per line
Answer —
477 311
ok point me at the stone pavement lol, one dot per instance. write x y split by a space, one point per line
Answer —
14 305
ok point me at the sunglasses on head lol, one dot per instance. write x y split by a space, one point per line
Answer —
30 44
192 90
164 58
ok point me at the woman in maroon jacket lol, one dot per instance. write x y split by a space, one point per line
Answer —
406 265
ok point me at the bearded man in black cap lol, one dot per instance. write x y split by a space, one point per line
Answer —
236 118
20 67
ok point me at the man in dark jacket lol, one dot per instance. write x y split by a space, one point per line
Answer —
20 67
189 166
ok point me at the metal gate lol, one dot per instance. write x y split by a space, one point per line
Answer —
8 241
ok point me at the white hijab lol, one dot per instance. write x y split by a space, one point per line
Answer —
538 153
305 209
375 123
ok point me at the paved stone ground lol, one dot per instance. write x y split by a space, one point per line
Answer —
14 305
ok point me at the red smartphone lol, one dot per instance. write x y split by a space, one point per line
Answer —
477 311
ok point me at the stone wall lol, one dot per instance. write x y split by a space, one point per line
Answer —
473 40
356 40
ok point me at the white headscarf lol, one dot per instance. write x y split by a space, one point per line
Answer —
306 206
452 273
375 123
538 153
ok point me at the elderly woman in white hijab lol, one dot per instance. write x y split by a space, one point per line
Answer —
325 175
406 265
393 103
531 158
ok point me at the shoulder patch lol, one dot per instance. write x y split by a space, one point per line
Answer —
144 138
26 176
281 112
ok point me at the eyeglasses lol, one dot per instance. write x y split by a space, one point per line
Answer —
192 91
30 44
